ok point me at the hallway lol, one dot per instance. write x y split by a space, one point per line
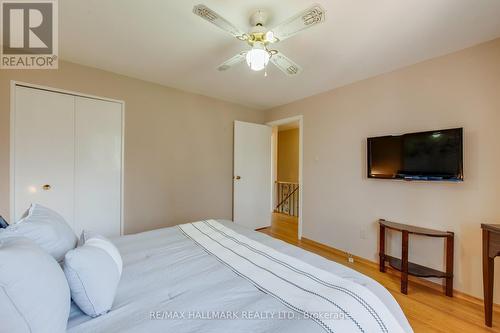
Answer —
283 226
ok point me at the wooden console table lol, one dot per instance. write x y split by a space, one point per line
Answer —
407 268
491 249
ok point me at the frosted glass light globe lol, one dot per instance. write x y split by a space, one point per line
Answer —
257 58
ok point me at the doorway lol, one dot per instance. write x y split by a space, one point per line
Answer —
260 198
286 173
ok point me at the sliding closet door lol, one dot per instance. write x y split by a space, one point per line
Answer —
98 166
43 151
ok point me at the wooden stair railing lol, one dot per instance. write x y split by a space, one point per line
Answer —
287 196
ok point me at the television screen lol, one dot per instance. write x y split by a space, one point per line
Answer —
434 155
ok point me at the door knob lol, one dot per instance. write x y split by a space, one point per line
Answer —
46 187
237 177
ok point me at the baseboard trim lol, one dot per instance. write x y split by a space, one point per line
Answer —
389 270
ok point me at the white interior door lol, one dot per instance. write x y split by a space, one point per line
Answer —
43 148
98 166
252 175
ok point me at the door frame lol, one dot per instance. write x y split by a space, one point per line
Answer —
12 155
275 123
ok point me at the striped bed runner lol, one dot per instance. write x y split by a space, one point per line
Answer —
336 304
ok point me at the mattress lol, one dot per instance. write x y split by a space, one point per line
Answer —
169 283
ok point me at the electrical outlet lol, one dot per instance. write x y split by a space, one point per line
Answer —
350 258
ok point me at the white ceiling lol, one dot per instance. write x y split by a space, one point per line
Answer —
163 42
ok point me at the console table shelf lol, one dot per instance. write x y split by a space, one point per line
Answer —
408 268
415 269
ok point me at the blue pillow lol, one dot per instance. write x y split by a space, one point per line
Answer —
3 223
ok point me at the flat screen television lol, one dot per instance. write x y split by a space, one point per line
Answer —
433 155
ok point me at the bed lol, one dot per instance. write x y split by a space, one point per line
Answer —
172 284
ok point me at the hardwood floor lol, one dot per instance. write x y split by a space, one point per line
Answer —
425 306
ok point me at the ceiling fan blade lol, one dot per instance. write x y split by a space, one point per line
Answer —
303 20
286 65
232 61
206 13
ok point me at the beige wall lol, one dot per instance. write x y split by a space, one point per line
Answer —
340 204
288 156
178 146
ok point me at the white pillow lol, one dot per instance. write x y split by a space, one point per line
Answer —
94 239
34 294
93 271
46 228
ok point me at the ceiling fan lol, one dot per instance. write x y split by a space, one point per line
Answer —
260 39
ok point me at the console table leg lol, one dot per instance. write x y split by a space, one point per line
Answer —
404 263
382 249
449 265
488 272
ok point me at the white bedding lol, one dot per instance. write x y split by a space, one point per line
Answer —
169 283
336 304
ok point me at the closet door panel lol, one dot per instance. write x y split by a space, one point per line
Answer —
43 150
98 167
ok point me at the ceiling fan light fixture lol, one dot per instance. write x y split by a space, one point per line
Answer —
270 38
259 38
258 57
